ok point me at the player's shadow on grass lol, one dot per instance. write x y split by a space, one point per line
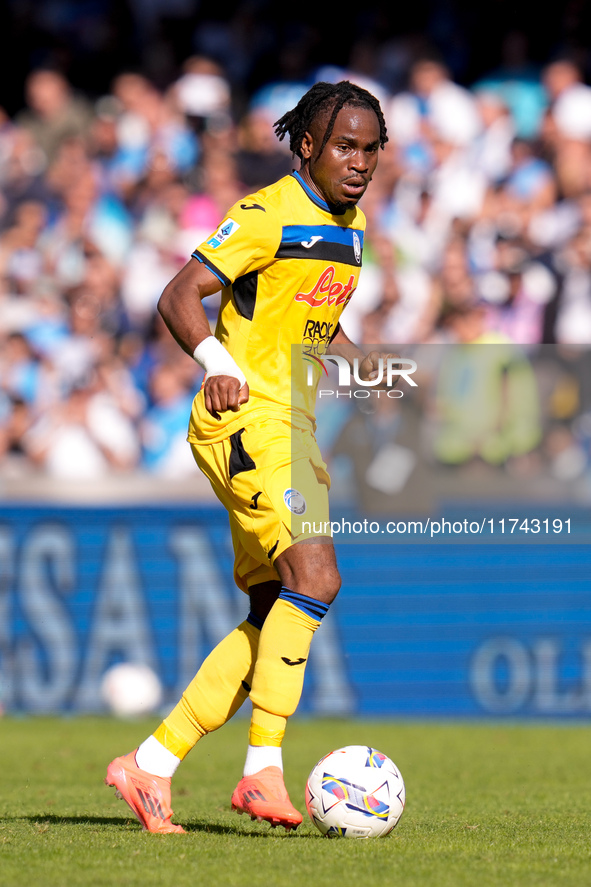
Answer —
238 829
56 819
195 825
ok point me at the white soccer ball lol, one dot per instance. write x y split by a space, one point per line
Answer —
131 689
355 792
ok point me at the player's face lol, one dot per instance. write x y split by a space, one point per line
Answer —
342 172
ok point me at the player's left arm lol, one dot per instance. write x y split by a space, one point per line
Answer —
342 346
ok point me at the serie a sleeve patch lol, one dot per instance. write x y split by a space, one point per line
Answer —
226 229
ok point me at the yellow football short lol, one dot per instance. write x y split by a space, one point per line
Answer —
272 479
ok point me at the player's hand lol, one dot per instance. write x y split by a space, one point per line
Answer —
222 393
369 367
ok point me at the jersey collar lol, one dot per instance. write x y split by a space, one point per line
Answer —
314 196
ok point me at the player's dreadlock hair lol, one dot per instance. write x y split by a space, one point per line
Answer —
326 97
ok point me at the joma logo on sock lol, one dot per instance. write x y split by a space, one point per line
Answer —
292 661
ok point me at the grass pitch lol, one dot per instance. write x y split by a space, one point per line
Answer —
486 806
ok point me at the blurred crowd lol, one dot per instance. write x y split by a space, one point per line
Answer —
479 230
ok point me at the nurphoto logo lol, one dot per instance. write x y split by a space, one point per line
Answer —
390 371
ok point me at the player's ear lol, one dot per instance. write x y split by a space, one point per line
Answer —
307 146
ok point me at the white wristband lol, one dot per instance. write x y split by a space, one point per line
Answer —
216 361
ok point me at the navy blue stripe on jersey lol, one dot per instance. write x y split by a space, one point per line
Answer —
255 620
332 233
225 281
312 194
322 242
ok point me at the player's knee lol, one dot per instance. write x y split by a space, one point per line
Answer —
310 570
322 583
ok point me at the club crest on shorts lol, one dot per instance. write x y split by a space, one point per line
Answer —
295 501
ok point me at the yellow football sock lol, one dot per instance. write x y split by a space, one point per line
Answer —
265 728
278 676
215 694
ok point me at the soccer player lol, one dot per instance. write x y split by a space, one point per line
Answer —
288 259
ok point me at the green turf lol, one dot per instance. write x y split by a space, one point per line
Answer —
486 805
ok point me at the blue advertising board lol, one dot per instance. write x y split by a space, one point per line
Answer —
417 631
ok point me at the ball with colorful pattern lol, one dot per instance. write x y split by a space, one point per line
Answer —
355 792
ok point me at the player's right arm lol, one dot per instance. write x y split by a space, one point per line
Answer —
183 313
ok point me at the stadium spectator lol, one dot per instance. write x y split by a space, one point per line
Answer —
82 437
21 260
491 149
203 94
22 173
573 323
54 114
151 132
434 102
260 159
164 427
517 84
569 111
16 420
19 369
486 401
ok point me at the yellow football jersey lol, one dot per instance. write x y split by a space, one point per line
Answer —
288 266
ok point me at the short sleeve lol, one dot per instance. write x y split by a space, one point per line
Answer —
247 240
